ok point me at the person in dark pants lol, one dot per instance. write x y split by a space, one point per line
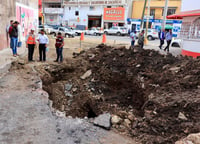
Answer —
133 39
43 41
169 40
59 47
13 32
162 38
30 44
141 39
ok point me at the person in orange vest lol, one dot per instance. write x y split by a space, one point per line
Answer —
30 44
59 47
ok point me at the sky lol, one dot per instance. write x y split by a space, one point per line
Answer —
190 5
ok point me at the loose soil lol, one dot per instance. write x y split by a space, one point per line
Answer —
151 87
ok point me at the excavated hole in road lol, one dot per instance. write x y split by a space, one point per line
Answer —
118 93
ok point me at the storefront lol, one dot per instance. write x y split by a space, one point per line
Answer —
190 32
134 25
114 17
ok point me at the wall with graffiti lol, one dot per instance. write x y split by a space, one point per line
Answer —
27 17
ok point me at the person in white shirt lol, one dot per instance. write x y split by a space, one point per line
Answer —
43 41
168 39
133 38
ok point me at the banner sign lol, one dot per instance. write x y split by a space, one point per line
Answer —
114 14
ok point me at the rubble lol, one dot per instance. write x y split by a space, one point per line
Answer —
145 89
116 120
86 75
191 139
182 116
103 121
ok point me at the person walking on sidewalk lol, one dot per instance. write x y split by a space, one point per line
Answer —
59 47
141 39
43 41
133 38
162 38
30 44
13 32
169 40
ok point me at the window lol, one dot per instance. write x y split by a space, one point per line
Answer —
171 11
92 8
152 12
76 13
109 6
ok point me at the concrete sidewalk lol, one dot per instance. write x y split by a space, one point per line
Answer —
6 58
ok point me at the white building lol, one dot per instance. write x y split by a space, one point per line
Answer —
53 11
95 13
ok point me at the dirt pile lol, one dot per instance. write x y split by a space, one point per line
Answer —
152 97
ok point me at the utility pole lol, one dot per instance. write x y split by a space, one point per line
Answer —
43 14
147 22
142 19
165 14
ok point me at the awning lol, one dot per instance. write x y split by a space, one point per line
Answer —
184 14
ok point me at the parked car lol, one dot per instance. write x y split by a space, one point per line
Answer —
47 28
152 34
94 31
176 42
64 31
78 31
116 31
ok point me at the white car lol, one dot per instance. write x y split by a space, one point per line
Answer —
65 32
152 34
47 28
94 31
116 31
176 42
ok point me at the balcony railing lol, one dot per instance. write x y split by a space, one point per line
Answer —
94 2
53 10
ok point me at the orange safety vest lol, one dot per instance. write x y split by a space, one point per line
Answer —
31 39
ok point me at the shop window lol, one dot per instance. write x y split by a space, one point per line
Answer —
152 12
92 8
76 13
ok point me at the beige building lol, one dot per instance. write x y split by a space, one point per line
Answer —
157 8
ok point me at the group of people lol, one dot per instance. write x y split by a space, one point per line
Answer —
31 41
133 36
43 42
162 36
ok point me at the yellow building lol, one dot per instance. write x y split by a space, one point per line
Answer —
157 8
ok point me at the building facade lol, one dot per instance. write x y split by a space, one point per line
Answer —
95 13
156 8
24 11
53 11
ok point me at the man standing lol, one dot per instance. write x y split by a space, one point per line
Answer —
59 47
43 41
30 44
13 32
7 31
133 38
162 38
168 39
141 39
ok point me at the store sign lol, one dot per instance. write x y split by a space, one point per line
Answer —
52 1
114 14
